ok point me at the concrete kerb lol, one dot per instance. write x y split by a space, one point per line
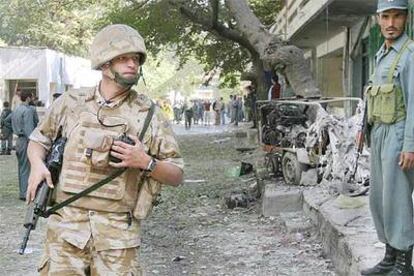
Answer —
348 235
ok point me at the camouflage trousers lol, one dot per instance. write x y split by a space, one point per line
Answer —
63 258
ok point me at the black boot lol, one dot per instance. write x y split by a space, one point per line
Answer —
403 265
386 265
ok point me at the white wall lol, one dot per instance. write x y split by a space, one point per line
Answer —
49 68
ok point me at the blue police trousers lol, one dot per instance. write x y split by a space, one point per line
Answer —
391 188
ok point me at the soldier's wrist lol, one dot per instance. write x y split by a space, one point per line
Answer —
145 162
151 165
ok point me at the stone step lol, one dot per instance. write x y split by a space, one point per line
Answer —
345 226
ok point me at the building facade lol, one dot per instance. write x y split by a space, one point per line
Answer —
43 72
339 37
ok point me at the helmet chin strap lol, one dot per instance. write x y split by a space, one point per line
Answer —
123 82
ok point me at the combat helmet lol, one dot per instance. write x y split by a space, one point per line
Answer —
115 40
384 5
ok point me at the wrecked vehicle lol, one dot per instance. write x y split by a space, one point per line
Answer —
312 141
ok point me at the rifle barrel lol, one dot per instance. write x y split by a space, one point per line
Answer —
25 240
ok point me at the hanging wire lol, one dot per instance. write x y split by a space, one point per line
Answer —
107 101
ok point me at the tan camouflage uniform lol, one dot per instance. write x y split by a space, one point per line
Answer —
100 236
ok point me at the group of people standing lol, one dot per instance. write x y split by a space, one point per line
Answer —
243 108
217 112
200 112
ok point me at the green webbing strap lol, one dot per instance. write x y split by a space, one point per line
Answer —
147 121
112 176
396 61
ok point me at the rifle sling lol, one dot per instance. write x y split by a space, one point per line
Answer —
99 184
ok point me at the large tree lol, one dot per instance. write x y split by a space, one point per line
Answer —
222 33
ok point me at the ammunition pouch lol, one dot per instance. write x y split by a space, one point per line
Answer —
385 103
97 147
148 193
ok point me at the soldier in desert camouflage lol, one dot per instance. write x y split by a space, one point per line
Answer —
99 234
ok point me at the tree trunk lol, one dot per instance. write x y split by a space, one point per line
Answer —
257 76
260 78
273 51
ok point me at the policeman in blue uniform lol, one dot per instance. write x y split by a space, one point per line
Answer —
390 117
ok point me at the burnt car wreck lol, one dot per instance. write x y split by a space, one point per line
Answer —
312 141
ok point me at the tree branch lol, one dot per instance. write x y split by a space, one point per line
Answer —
215 9
138 4
217 29
272 49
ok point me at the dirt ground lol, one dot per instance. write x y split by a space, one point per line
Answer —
191 232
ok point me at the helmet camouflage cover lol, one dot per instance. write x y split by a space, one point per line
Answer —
115 40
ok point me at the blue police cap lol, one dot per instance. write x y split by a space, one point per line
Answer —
384 5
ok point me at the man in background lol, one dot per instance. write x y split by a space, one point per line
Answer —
6 135
16 99
24 120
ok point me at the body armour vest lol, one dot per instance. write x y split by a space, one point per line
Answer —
86 159
386 103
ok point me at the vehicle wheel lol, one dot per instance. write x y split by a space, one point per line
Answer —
292 169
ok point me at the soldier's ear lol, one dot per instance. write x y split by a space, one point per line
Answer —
105 66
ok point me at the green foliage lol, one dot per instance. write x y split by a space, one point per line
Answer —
61 25
266 10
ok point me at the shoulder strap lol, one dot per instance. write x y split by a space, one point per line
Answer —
397 60
108 179
147 121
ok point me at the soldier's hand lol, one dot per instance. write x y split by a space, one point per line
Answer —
38 173
406 160
131 156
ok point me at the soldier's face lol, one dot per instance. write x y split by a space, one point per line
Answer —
126 65
392 23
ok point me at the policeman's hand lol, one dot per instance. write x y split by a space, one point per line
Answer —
131 156
38 173
406 160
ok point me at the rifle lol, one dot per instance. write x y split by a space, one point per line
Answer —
360 143
38 206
